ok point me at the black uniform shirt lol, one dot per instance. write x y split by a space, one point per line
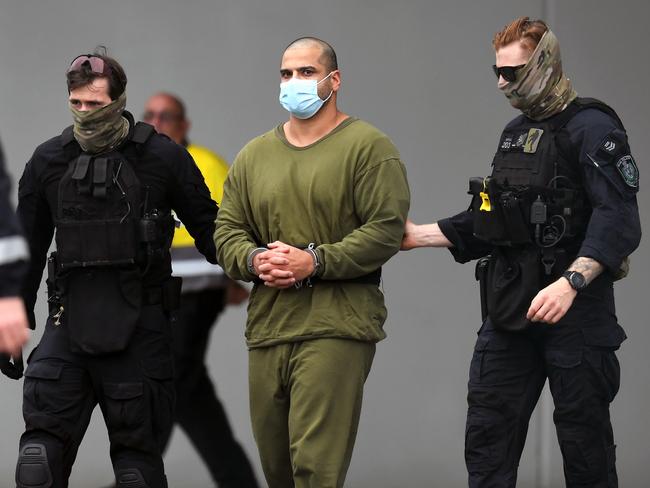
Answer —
609 175
165 170
13 255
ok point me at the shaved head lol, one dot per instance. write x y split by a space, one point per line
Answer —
327 57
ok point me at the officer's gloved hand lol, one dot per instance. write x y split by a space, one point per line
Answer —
12 367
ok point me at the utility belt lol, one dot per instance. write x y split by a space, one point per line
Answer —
100 306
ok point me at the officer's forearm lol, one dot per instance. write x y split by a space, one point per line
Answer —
588 267
430 235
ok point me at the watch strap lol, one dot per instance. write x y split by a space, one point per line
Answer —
571 278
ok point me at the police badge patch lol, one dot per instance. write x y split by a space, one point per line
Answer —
629 171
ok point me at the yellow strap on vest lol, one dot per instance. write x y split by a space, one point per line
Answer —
485 205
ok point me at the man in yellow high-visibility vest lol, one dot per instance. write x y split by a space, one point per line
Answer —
206 291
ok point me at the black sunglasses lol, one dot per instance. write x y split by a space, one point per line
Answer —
164 117
509 73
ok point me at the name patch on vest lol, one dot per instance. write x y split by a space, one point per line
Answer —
525 141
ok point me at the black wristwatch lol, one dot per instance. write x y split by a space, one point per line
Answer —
575 279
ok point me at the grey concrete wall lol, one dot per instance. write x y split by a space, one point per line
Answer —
420 71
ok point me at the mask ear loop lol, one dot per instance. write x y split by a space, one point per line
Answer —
328 96
331 92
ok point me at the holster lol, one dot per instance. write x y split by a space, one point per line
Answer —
480 273
53 293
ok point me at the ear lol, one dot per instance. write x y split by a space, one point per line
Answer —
336 80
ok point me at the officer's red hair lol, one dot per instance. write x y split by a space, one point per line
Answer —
528 32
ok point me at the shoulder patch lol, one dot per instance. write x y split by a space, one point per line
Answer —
628 170
614 144
609 145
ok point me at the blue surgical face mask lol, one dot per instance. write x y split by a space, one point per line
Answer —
300 97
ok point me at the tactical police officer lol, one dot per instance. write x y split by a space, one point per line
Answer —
13 263
557 218
108 186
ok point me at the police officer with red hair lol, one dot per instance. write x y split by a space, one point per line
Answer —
558 218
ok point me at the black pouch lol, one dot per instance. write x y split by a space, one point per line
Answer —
500 215
514 278
489 224
513 208
102 308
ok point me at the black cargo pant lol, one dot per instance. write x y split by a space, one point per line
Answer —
507 373
134 389
198 409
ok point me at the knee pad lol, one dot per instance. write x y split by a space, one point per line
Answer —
130 478
33 470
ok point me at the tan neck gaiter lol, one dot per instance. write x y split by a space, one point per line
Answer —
541 90
101 130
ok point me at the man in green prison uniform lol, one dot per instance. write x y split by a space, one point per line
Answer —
311 211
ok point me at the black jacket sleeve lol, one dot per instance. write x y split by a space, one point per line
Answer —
611 179
459 230
192 203
13 248
36 219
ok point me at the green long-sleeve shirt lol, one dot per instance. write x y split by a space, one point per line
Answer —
348 194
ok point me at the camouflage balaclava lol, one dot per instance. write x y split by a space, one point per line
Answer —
101 130
541 89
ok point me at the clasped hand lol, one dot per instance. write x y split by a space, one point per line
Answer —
283 265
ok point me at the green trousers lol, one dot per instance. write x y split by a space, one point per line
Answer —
305 405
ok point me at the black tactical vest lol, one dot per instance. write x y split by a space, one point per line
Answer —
103 235
99 207
533 208
535 194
